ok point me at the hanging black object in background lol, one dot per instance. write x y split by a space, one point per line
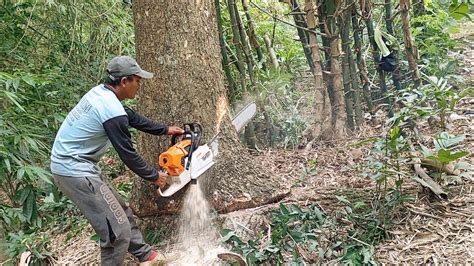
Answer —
388 63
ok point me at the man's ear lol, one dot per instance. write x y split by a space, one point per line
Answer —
122 81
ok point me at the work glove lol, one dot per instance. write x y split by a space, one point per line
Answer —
162 178
175 131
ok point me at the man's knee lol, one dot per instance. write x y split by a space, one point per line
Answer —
124 235
120 234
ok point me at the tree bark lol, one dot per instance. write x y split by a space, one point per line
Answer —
411 51
322 124
189 86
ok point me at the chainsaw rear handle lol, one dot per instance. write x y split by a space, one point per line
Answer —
189 130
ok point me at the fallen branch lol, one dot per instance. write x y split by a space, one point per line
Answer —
445 168
425 179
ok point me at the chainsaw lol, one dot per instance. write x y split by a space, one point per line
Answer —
187 158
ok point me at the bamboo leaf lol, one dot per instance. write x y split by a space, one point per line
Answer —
380 43
7 164
13 98
343 199
28 80
29 207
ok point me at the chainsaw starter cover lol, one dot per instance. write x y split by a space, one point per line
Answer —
172 160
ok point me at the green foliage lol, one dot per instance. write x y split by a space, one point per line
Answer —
278 92
432 36
443 144
52 52
292 229
459 10
154 237
438 91
35 242
24 134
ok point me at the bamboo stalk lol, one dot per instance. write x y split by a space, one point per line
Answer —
252 35
244 41
271 51
237 43
225 59
322 104
367 15
357 31
389 25
410 50
346 75
302 34
339 118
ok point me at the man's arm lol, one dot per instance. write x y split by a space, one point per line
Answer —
144 124
117 131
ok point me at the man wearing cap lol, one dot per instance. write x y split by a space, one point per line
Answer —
98 120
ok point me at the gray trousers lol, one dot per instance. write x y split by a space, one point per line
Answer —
108 214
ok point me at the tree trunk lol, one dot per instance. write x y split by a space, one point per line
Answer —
189 86
411 51
322 124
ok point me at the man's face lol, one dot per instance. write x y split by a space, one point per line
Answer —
131 87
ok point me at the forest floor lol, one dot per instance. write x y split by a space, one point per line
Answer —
429 230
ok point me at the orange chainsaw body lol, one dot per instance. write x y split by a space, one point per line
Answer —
172 160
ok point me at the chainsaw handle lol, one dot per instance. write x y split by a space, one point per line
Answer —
189 129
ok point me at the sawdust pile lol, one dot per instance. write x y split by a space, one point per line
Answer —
198 240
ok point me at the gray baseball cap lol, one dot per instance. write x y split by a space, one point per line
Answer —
125 66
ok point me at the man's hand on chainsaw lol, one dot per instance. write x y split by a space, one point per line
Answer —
175 131
162 178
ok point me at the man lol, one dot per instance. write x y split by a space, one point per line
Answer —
96 121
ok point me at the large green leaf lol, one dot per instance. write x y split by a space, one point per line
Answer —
446 156
459 11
